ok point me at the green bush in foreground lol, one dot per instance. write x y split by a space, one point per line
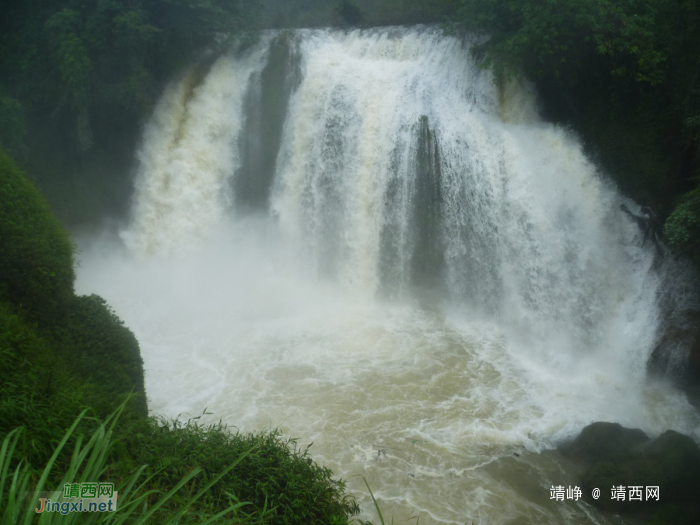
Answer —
196 474
88 464
278 478
37 390
102 351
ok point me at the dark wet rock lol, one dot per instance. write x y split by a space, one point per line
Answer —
676 356
617 457
604 441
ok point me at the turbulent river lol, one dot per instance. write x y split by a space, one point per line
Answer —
359 239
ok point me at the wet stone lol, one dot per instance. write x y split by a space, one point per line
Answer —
619 457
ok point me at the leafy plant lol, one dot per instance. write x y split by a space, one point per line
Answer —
89 464
279 479
683 226
102 350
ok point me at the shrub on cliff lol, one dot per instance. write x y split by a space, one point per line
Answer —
36 255
102 351
683 227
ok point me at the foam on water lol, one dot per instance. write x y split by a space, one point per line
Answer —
438 280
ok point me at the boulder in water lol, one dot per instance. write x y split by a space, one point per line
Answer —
621 458
604 441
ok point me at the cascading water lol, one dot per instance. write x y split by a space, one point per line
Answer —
357 238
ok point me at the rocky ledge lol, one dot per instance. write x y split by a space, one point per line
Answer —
626 466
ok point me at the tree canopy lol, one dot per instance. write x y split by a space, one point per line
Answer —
104 59
77 78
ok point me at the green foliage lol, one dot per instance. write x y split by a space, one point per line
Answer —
683 226
47 376
408 12
80 75
279 479
102 351
627 141
37 390
299 13
108 52
557 38
88 463
36 255
194 474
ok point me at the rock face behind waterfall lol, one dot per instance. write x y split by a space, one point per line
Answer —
677 354
623 457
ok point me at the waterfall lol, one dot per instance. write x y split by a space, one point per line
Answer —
360 237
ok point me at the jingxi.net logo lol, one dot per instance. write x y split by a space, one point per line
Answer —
79 497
